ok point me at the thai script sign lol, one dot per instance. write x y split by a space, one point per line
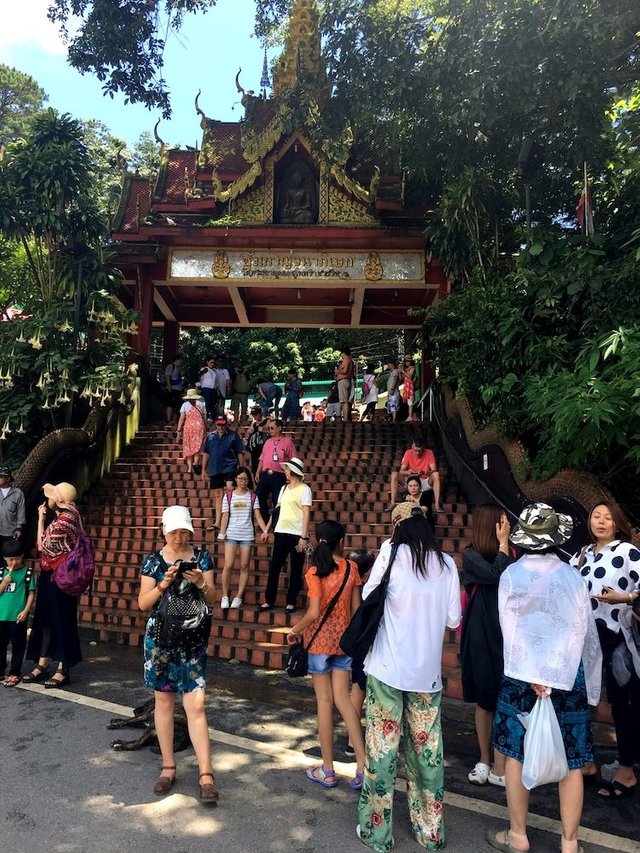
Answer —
296 265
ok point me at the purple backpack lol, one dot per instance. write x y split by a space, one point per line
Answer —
75 573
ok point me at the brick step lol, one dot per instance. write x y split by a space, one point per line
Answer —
348 469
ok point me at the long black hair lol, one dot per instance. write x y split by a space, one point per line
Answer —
329 534
416 532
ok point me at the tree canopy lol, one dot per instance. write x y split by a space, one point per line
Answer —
20 98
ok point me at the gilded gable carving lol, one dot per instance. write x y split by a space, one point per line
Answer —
345 210
250 209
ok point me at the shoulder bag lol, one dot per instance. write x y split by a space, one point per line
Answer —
74 573
182 617
297 663
361 631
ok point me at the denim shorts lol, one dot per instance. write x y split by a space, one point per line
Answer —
243 543
323 664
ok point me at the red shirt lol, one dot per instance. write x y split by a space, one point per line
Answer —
423 464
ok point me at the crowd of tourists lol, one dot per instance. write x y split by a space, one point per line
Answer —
538 632
218 391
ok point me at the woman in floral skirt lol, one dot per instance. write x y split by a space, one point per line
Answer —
404 682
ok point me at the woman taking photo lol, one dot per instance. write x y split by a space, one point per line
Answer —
404 682
610 566
54 634
240 514
192 428
293 511
551 652
329 667
481 642
178 669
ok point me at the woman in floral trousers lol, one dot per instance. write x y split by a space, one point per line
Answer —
404 683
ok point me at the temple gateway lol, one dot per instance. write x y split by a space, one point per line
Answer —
273 221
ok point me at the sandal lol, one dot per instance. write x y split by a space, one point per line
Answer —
208 791
501 841
52 682
164 784
40 673
356 783
12 680
326 778
616 791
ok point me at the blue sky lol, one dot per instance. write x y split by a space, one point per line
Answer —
205 55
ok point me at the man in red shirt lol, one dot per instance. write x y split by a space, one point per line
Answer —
270 478
420 461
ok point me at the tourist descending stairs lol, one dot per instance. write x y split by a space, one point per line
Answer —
347 467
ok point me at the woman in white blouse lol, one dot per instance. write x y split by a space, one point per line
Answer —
404 681
549 641
610 566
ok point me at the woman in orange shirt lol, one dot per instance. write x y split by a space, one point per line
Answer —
329 667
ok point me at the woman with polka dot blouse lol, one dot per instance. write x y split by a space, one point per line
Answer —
611 568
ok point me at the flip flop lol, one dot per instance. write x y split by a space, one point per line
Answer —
12 680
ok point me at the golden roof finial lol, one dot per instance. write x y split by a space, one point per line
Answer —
302 56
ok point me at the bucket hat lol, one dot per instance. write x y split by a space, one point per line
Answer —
540 526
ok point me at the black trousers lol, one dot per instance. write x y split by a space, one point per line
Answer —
269 486
16 634
624 701
284 546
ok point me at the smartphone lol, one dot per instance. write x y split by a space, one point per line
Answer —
185 566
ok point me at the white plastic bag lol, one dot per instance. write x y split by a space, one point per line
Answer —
545 760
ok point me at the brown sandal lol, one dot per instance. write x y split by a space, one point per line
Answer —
208 791
164 783
12 681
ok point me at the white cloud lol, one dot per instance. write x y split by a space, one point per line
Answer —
25 23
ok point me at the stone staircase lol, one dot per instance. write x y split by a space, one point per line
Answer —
348 468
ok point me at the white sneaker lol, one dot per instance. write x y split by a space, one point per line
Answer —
498 781
480 774
224 604
236 604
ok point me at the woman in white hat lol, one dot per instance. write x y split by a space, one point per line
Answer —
551 652
192 428
293 511
54 633
180 668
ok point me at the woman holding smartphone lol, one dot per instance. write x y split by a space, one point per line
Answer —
178 669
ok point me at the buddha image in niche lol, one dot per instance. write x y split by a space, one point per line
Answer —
298 196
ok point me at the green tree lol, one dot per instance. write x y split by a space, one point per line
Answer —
121 43
70 339
20 98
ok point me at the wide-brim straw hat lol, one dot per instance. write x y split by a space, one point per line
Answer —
296 466
403 511
63 493
540 527
192 394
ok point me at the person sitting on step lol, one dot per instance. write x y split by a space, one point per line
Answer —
421 461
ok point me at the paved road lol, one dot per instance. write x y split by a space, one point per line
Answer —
64 789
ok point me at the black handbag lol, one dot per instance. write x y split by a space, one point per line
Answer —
182 618
297 663
361 631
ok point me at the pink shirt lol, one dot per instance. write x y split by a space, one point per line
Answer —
282 448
